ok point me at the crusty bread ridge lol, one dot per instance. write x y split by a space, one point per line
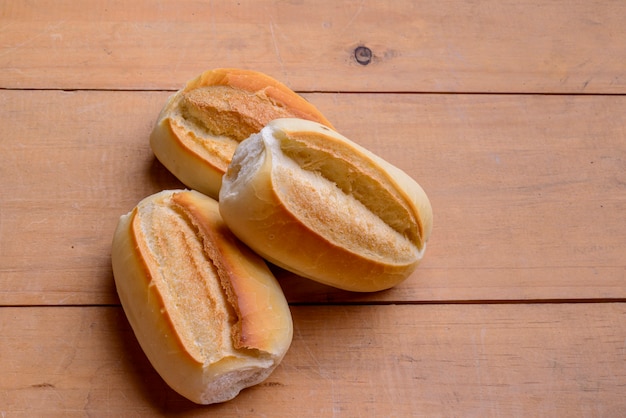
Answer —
206 310
315 203
200 126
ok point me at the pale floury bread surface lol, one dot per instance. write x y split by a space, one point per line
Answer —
200 126
207 311
315 203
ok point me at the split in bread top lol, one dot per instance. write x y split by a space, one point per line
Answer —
206 310
315 203
200 126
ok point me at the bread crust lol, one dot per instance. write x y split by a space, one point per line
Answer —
206 310
200 126
361 224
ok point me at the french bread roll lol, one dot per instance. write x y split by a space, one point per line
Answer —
206 310
315 203
200 126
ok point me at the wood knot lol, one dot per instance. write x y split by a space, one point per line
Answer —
363 55
44 385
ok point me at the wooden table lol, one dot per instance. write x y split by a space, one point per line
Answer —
511 114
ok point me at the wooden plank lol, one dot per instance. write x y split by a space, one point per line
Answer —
438 360
71 165
528 191
428 46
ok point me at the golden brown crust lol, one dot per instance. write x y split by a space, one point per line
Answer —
206 310
244 276
264 86
201 125
313 202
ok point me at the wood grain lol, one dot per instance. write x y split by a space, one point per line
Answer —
510 113
528 191
428 46
492 360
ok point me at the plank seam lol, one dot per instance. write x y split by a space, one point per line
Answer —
380 92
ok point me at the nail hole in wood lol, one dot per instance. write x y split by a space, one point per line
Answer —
363 55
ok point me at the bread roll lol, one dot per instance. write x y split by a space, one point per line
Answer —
207 312
315 203
200 126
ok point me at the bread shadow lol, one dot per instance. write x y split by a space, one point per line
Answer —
160 178
302 291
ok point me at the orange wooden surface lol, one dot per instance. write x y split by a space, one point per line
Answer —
510 114
510 46
429 360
